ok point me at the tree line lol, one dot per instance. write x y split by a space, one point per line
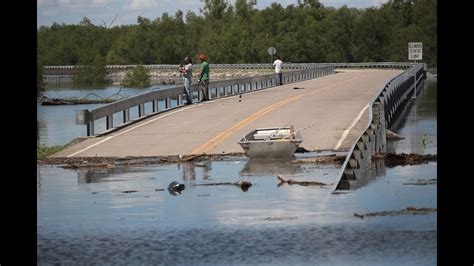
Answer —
306 31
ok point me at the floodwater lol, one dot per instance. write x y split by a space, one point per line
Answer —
126 215
420 127
57 123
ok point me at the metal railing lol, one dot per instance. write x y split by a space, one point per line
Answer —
384 111
216 89
68 70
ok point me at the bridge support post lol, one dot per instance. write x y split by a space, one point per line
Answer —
155 106
109 121
126 115
379 128
141 110
90 128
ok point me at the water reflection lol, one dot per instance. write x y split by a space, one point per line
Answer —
366 175
57 123
270 167
100 175
418 124
189 169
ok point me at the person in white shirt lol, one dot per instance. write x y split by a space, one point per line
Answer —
187 72
277 63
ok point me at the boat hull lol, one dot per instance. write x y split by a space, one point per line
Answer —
270 149
273 142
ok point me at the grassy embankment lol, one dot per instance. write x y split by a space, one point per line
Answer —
42 151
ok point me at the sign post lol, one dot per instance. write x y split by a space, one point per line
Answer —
415 52
271 51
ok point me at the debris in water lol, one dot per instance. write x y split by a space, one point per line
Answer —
175 188
411 158
321 159
392 135
433 181
409 210
301 183
244 185
280 218
57 101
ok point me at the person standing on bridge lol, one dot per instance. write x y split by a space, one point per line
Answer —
203 79
187 72
279 76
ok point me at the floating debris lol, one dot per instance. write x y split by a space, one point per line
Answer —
392 135
410 159
321 159
71 101
301 183
244 185
339 192
280 218
86 164
410 210
175 188
191 157
422 182
129 191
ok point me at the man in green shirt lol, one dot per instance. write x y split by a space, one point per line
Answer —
204 77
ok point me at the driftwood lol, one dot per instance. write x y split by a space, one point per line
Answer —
321 159
392 135
411 158
409 210
58 101
244 185
89 165
422 182
301 183
190 157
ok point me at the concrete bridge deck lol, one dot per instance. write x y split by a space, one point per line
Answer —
330 112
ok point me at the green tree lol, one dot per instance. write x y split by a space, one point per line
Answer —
138 77
91 71
302 32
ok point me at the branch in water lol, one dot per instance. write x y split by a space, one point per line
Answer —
301 183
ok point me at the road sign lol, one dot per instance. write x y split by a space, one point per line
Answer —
272 50
415 51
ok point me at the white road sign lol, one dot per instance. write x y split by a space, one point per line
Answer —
271 50
415 51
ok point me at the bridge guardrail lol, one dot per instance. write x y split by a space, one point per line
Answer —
383 112
67 70
216 89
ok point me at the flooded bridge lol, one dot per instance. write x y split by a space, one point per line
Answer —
329 108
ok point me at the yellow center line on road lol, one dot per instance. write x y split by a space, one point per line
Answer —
220 137
227 133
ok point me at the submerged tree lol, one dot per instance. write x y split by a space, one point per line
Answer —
91 71
138 77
